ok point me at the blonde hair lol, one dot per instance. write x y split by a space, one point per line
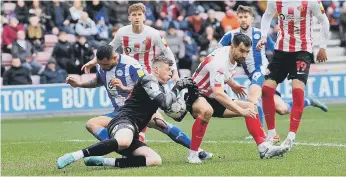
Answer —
137 7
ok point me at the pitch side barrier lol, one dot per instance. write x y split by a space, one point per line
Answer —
61 99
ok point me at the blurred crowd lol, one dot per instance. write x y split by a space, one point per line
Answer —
192 30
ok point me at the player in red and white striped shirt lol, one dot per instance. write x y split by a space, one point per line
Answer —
210 100
292 56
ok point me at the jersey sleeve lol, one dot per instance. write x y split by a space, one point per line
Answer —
98 76
217 77
226 40
270 44
161 42
318 11
267 17
135 74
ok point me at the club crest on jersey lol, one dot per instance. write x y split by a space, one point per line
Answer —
110 85
119 72
128 49
256 36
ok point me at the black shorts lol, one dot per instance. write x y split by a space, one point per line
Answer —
218 108
294 64
120 123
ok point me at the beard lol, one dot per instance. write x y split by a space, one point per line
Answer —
244 27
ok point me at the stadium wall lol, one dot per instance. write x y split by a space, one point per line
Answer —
61 99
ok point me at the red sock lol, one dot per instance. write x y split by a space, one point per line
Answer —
268 105
297 109
198 131
144 130
255 129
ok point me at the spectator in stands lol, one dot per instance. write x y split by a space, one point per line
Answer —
175 42
2 71
35 33
86 27
61 17
169 12
230 21
22 12
196 26
98 10
83 53
76 11
53 74
342 27
9 34
191 52
196 62
215 24
63 53
102 30
43 13
118 9
333 12
23 49
17 74
150 13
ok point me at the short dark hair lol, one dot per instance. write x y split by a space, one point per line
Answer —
241 38
163 59
244 9
105 51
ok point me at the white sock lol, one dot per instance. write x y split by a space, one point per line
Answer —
77 155
271 133
199 150
109 162
263 146
291 135
193 152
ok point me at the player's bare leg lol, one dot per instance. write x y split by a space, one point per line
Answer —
265 148
202 111
268 103
175 133
96 126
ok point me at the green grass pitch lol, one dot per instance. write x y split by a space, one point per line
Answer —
31 147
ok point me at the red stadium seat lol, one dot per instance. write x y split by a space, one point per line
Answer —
76 76
50 40
6 59
71 38
9 7
219 15
43 57
88 77
35 80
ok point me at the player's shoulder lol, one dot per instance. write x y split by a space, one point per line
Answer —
232 32
149 78
152 31
256 29
125 29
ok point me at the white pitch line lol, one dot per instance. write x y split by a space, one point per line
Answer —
314 144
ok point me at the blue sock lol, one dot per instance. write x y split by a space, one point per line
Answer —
177 135
306 103
101 134
260 113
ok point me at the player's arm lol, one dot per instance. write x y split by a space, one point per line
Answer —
318 11
265 23
162 44
270 44
152 87
93 83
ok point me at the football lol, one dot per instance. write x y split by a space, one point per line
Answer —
178 109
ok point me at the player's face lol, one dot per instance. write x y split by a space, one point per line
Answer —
245 20
137 18
240 53
164 73
107 64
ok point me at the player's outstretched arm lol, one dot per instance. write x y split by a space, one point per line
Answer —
265 23
87 84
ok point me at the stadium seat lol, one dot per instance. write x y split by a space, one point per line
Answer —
48 49
76 76
6 59
43 57
87 77
9 7
71 38
50 40
184 73
219 15
35 80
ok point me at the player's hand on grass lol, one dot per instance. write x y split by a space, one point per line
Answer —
322 55
239 90
73 81
261 43
87 67
249 112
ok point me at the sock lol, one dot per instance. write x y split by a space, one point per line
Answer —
198 130
77 155
306 104
271 133
177 135
269 106
101 134
260 113
134 161
101 148
297 109
291 135
109 162
144 130
255 129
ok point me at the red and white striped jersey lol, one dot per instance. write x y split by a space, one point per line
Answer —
215 70
141 46
295 22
